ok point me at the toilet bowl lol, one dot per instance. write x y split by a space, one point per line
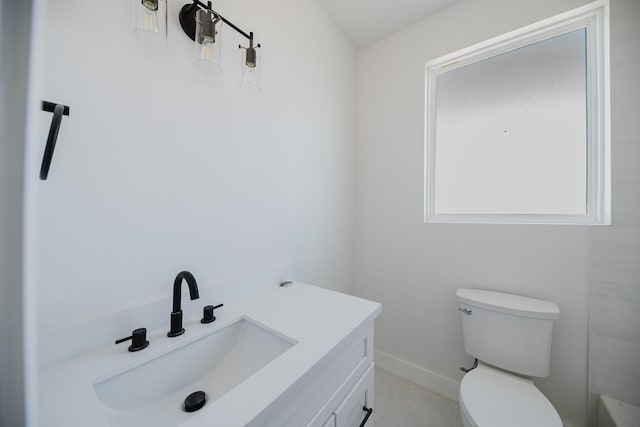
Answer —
491 397
510 337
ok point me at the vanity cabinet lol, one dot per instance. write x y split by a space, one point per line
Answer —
342 388
334 392
351 411
320 376
331 422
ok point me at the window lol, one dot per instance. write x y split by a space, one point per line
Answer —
516 127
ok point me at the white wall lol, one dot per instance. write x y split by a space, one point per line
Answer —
413 268
161 168
14 63
614 319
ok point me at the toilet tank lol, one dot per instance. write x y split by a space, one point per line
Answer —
508 331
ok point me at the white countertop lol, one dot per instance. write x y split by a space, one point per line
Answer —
317 319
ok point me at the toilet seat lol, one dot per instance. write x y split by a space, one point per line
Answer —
490 397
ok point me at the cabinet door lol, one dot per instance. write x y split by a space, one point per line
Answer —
351 412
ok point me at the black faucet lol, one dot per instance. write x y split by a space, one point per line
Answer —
176 314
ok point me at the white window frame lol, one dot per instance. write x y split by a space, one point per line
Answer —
594 17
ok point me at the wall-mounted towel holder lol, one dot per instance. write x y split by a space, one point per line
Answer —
58 111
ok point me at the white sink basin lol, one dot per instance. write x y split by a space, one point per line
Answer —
153 393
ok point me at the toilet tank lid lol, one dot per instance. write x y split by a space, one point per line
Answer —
516 305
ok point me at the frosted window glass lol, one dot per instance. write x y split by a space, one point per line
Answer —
511 132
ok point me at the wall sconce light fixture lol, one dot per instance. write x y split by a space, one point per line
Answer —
201 24
150 22
250 78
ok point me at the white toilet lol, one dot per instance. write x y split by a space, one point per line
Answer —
510 335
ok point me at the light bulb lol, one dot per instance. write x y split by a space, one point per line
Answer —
250 76
150 22
207 52
208 57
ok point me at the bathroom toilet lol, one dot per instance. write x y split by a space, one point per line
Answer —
510 335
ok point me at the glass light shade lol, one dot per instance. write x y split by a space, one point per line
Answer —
207 43
251 66
150 22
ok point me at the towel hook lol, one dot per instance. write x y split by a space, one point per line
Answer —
58 111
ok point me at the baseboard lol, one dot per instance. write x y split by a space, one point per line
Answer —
417 374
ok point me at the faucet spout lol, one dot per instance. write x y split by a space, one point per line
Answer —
176 314
177 288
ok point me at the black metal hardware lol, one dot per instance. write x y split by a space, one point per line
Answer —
207 313
58 111
138 339
188 19
195 401
369 411
176 314
150 4
50 106
250 54
465 370
286 283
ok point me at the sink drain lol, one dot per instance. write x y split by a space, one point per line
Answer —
195 401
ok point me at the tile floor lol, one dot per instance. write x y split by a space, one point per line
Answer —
401 403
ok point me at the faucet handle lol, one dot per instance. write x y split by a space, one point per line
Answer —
138 339
207 313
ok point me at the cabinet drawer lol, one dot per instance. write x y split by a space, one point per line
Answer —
350 412
341 377
331 422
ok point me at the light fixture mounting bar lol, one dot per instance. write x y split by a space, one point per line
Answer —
223 19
